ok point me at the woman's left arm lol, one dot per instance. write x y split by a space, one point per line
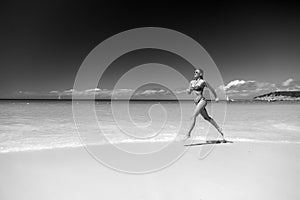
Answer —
212 90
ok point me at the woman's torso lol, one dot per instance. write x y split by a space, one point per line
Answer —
198 87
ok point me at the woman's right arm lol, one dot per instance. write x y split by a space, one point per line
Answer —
190 89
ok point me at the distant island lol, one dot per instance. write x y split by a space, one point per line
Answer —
279 96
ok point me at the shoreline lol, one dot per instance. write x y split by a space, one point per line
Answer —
235 141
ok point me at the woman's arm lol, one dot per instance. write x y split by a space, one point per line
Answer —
212 90
190 89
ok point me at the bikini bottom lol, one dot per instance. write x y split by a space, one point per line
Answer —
197 100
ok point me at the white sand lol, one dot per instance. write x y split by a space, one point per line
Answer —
231 171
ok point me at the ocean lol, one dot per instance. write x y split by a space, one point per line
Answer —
27 125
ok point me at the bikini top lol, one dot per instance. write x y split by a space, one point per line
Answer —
198 86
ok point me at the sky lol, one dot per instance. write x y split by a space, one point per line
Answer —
255 45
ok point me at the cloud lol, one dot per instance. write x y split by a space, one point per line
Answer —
70 91
251 88
121 92
287 82
101 93
151 92
25 93
246 88
95 90
148 92
54 92
180 91
235 83
289 85
234 89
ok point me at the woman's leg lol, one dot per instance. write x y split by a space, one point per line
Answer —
198 108
205 115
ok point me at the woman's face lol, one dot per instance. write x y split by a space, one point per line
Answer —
197 73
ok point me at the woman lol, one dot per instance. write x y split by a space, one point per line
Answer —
197 86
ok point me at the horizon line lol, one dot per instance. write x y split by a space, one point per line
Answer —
52 99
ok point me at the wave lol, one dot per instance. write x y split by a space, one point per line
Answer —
78 144
284 126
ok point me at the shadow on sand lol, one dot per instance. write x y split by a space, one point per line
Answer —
209 142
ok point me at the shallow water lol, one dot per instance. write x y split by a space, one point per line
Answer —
35 125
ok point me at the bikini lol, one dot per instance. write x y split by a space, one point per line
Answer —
199 89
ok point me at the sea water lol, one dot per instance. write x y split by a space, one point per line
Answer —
27 125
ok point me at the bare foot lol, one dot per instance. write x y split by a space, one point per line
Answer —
186 137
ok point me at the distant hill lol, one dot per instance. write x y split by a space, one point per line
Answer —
279 96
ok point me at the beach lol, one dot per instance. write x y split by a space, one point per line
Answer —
242 170
42 155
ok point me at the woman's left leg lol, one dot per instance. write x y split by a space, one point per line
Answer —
205 115
199 106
